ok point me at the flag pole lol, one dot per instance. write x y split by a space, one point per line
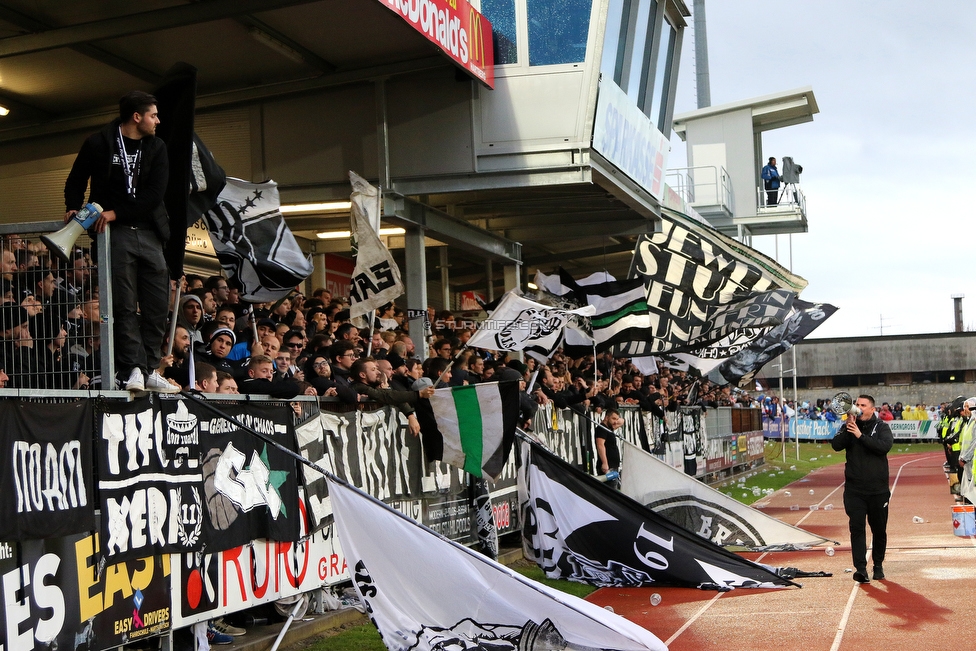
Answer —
176 308
372 313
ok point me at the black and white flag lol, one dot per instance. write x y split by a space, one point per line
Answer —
701 285
376 278
436 595
255 247
580 529
46 469
311 444
701 509
741 368
518 323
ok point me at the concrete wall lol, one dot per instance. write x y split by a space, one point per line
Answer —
927 394
898 354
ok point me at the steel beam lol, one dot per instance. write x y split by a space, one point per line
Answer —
405 212
139 23
96 118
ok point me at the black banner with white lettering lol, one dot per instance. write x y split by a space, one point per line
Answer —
46 472
150 480
578 528
250 487
52 596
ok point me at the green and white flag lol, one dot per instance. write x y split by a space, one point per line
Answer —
477 423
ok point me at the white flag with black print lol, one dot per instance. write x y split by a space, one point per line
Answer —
518 323
256 249
434 594
580 529
376 278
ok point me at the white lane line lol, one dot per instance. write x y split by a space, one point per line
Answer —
701 611
842 627
843 620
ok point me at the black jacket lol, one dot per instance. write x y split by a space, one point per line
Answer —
94 162
866 471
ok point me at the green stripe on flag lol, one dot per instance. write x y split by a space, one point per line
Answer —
469 427
636 308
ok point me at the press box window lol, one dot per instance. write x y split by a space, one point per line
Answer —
558 31
504 34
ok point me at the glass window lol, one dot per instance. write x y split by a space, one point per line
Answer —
501 13
557 31
614 39
642 42
662 77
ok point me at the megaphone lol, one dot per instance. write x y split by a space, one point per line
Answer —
843 405
61 243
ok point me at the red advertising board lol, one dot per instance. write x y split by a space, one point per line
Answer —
338 274
457 28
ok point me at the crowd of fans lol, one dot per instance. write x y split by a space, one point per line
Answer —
51 323
819 409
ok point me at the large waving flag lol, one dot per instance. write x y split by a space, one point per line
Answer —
434 594
518 323
701 509
742 367
701 286
580 529
376 278
255 247
477 425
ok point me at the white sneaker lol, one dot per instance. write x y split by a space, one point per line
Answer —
135 381
156 382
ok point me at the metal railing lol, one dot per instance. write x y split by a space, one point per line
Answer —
55 317
788 197
703 185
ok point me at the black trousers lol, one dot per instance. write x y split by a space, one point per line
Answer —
140 298
874 509
771 197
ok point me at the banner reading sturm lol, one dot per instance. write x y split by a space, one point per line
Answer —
46 472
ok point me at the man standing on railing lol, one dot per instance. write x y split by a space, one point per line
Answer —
771 180
129 170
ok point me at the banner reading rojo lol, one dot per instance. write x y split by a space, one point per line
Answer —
457 28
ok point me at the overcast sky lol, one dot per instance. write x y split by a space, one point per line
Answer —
888 162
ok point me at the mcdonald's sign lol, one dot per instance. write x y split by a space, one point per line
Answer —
457 28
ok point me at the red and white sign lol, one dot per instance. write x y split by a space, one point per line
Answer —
457 28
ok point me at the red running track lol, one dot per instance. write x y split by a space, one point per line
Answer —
928 600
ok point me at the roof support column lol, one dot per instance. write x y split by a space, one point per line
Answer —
416 273
445 266
513 276
490 280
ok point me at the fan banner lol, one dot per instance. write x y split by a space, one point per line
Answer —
175 479
580 529
46 470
